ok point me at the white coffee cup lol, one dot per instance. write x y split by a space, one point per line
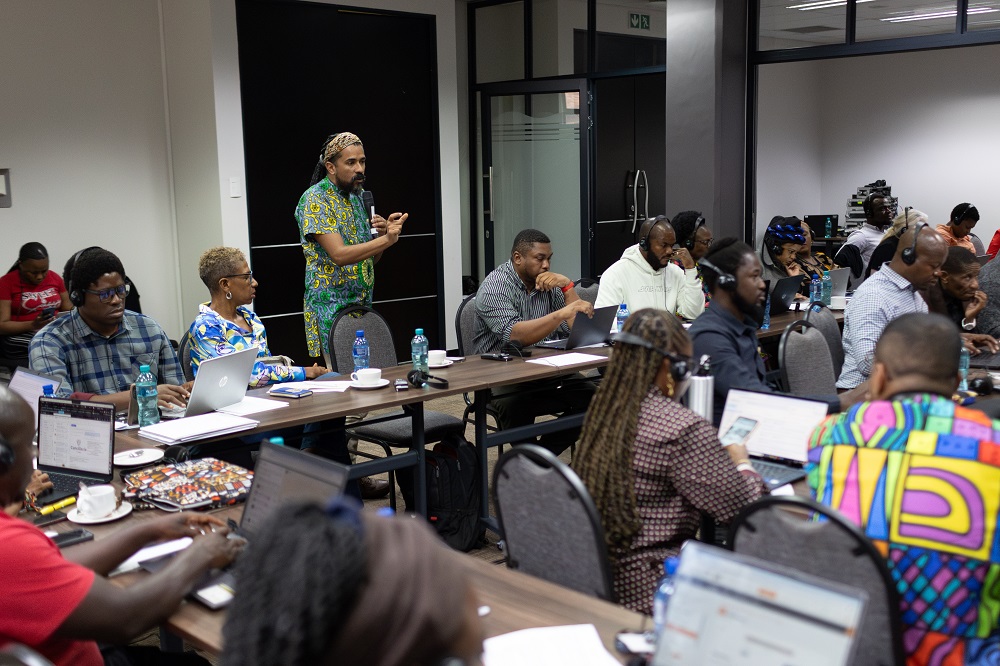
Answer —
367 376
838 302
437 357
96 501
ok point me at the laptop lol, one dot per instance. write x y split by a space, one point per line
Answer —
729 608
818 224
840 278
586 330
784 293
221 381
30 385
76 444
281 475
775 428
985 359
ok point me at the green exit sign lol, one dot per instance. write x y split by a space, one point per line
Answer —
638 21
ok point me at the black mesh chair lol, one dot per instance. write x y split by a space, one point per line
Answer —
775 529
397 432
587 289
822 318
184 354
465 330
549 522
804 359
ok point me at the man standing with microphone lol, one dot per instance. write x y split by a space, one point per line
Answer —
341 238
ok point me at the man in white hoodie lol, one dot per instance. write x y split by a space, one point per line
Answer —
645 276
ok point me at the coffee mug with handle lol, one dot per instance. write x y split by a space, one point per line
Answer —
367 376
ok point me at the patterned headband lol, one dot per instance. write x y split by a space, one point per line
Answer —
337 144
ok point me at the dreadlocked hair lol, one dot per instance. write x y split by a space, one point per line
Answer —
297 584
604 456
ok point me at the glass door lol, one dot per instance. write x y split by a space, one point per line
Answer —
534 170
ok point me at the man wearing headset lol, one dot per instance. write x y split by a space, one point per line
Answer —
957 232
95 351
857 250
646 277
889 293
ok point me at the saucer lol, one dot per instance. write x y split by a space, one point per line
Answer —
74 516
368 387
137 457
441 365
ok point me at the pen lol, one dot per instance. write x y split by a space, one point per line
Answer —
46 510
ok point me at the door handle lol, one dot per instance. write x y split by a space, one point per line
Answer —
635 200
488 177
645 189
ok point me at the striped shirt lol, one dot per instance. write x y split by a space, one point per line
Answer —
883 297
87 362
503 301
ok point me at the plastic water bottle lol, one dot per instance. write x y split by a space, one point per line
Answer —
815 290
622 316
360 352
418 350
963 367
664 590
827 288
145 395
766 324
829 227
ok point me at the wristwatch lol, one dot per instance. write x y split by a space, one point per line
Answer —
968 325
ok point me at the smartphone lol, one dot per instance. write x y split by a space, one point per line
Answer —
628 642
400 385
289 392
497 357
739 432
48 312
48 519
64 539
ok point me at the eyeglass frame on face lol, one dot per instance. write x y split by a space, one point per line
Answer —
248 276
705 241
104 295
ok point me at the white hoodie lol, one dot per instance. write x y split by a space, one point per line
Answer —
631 280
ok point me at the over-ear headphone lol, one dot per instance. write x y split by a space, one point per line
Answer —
644 241
957 218
723 279
909 255
419 378
698 224
6 455
678 365
866 205
76 295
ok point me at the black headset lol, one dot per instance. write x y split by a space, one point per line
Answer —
909 255
723 279
644 241
698 224
76 296
866 205
678 366
7 456
419 379
957 218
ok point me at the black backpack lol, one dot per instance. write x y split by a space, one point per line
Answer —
452 473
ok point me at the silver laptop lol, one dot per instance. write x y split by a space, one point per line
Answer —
76 444
840 278
586 330
30 385
775 429
281 475
221 381
729 608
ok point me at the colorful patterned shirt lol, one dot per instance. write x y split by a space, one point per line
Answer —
323 209
87 362
921 477
211 335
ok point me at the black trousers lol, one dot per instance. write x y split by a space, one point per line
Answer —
520 404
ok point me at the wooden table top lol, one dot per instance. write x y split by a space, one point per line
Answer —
780 321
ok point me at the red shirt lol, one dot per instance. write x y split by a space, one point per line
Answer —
27 300
38 591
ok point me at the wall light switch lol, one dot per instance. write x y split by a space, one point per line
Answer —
4 188
235 187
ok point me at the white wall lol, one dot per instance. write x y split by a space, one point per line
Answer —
925 122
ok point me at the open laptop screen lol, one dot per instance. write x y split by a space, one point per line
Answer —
76 436
784 423
733 609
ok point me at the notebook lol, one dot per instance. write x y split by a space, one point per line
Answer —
729 608
76 444
280 475
221 381
775 429
840 278
30 384
784 293
586 330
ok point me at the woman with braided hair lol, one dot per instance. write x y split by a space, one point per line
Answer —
783 239
335 586
652 465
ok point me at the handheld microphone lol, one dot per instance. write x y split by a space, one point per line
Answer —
369 201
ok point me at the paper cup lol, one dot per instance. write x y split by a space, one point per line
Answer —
97 501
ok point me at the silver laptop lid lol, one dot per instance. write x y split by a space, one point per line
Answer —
282 475
783 423
729 608
30 384
221 381
840 277
76 437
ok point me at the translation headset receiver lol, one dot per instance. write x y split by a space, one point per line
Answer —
6 455
77 296
909 255
698 224
678 366
723 279
419 379
957 219
644 241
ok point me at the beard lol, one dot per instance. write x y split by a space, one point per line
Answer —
752 310
653 261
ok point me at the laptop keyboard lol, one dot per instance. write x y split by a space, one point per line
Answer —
985 359
776 475
67 483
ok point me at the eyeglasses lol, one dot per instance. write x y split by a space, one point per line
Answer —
248 276
105 295
705 241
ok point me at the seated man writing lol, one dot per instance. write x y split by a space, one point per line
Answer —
522 302
921 477
96 350
60 606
